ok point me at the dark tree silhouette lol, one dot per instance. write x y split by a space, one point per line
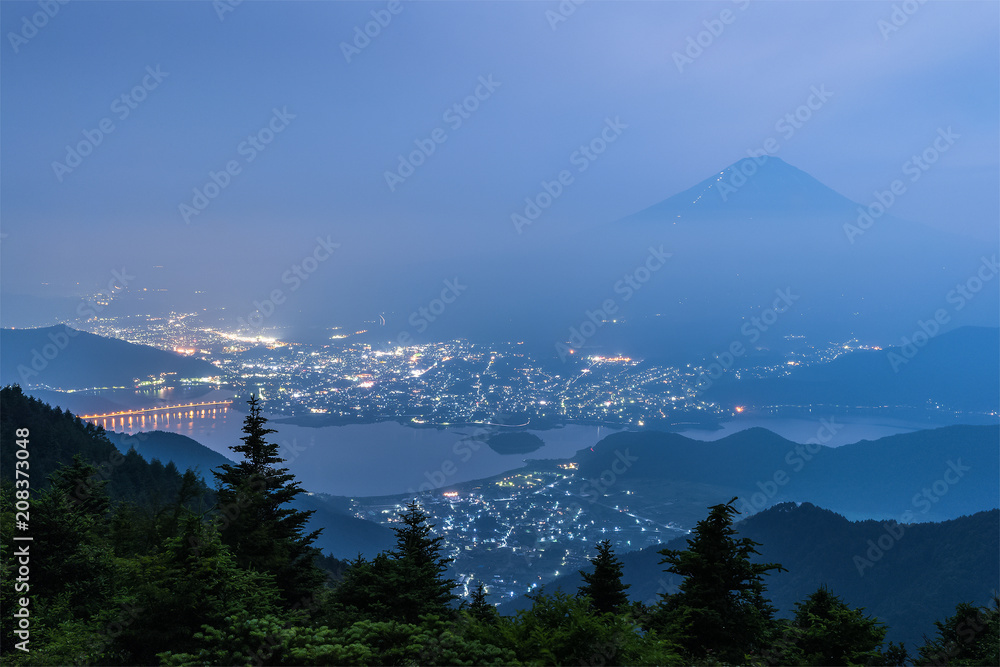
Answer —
262 532
480 609
420 567
604 585
831 633
971 636
720 608
399 585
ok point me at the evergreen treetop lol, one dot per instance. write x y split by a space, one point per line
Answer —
720 608
257 524
604 585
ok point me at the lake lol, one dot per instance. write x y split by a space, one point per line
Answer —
389 458
384 458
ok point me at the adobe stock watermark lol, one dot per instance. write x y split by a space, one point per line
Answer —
621 464
756 326
249 149
294 277
563 11
786 126
40 359
796 460
966 632
581 158
914 168
899 17
381 18
122 107
591 490
223 7
463 450
423 316
31 25
224 515
923 501
627 286
454 116
697 43
101 641
959 297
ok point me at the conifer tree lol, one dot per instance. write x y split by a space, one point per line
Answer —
971 636
73 560
831 633
604 585
420 567
720 608
480 609
257 525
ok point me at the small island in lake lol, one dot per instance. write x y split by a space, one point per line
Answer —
517 442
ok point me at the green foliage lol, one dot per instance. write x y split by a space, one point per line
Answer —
604 585
72 563
834 634
194 581
971 636
367 591
401 585
63 435
825 631
56 437
720 609
257 524
480 609
124 572
272 641
420 568
560 629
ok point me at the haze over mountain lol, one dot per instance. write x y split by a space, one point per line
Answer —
684 275
954 372
923 573
65 358
747 189
928 475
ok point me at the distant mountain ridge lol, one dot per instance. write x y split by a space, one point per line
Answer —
928 475
65 358
908 576
344 536
747 188
57 435
956 370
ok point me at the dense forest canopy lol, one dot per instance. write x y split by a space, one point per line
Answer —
135 562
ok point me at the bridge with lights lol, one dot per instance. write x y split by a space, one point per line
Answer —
159 415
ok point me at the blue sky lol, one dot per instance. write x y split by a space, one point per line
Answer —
556 84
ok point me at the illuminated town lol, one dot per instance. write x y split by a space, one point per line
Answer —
529 526
352 379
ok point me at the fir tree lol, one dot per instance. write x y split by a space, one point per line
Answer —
257 525
969 637
480 609
720 608
831 633
604 585
420 567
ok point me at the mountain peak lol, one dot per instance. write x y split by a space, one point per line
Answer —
750 188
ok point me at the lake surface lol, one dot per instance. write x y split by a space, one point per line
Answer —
384 458
389 458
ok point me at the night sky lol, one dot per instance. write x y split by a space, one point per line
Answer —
205 88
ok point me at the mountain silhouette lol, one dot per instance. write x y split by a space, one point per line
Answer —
65 358
747 189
